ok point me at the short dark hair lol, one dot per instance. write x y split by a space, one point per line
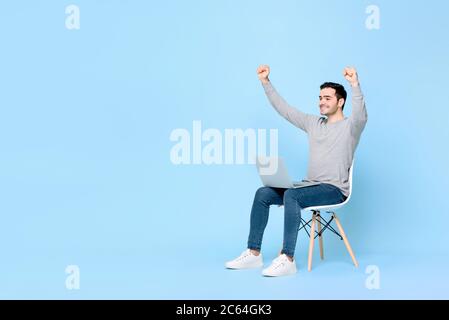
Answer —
340 91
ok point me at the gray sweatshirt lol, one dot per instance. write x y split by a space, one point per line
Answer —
331 145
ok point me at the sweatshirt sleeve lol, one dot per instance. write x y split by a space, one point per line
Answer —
359 116
298 118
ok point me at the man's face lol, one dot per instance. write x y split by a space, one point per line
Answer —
329 103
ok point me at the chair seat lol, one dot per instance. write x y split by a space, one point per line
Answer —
327 207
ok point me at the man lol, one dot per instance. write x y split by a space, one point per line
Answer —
333 139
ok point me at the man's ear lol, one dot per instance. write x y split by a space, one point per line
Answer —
341 102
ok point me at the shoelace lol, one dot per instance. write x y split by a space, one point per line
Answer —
279 261
244 255
282 257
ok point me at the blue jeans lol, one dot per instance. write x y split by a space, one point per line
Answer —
293 200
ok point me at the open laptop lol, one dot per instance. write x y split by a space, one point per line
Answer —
273 173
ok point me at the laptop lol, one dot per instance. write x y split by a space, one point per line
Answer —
273 173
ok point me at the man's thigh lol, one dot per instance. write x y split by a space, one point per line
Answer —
318 195
271 195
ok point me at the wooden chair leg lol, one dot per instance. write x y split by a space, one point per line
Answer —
345 239
320 237
312 236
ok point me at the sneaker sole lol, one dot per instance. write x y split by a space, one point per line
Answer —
279 275
243 268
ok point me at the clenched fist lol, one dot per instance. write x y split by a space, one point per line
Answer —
350 74
262 72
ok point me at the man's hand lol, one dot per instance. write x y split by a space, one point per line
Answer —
262 72
350 74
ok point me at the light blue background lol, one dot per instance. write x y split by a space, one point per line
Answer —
85 171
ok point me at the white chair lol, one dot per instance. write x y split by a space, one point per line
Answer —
316 220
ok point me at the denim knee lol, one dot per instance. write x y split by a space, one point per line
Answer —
263 193
289 194
294 195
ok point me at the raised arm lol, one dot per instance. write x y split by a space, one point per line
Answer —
359 115
293 115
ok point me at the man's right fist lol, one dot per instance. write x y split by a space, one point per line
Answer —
262 72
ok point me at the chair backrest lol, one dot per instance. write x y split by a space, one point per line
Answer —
351 169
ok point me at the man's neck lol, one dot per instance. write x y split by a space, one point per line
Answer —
335 117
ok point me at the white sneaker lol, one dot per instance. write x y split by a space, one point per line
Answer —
281 266
246 260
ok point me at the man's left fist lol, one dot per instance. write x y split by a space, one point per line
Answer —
350 74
